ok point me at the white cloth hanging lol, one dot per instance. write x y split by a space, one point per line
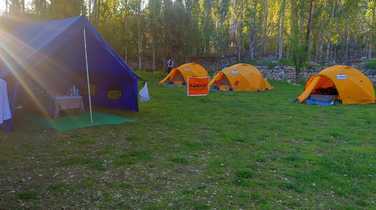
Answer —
144 93
5 113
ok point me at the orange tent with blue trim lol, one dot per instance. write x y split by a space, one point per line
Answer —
240 77
352 86
180 75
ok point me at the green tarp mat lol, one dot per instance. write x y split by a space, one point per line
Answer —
72 122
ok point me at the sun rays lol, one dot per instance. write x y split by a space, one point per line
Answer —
16 55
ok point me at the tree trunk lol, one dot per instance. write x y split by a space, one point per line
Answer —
99 2
320 48
239 41
154 55
309 29
252 44
89 10
96 11
252 33
347 43
319 43
265 27
295 36
94 15
328 51
281 29
139 41
372 37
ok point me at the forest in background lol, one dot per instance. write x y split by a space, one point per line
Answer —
146 32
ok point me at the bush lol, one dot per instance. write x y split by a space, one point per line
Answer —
269 63
252 62
286 62
263 62
371 64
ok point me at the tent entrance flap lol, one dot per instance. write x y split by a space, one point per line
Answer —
318 85
178 79
308 89
222 83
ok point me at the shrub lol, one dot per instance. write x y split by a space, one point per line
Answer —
286 62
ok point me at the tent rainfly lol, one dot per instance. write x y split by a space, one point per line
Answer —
180 75
240 77
350 85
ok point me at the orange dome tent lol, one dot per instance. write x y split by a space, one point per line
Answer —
351 85
181 74
240 77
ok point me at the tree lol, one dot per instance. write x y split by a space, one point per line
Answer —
252 29
15 7
265 25
309 28
207 27
222 28
65 8
155 29
135 6
371 16
238 6
298 48
146 31
281 26
40 8
193 28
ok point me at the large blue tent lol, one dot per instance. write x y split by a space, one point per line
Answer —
52 55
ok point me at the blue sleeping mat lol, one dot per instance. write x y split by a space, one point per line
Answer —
321 100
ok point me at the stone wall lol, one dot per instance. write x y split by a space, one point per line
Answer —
287 73
281 73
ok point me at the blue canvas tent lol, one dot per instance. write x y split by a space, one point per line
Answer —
48 58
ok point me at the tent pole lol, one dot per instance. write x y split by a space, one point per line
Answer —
88 78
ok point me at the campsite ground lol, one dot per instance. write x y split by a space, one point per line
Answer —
227 150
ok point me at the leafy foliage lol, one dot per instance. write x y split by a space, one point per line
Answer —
146 32
371 64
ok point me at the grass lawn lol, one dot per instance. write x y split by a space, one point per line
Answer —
224 151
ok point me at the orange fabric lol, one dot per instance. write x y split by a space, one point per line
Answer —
242 77
352 85
219 79
324 83
186 70
309 88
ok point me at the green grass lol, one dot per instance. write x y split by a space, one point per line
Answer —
224 151
371 64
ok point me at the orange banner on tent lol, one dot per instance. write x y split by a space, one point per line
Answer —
198 86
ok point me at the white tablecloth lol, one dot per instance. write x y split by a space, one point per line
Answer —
5 113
